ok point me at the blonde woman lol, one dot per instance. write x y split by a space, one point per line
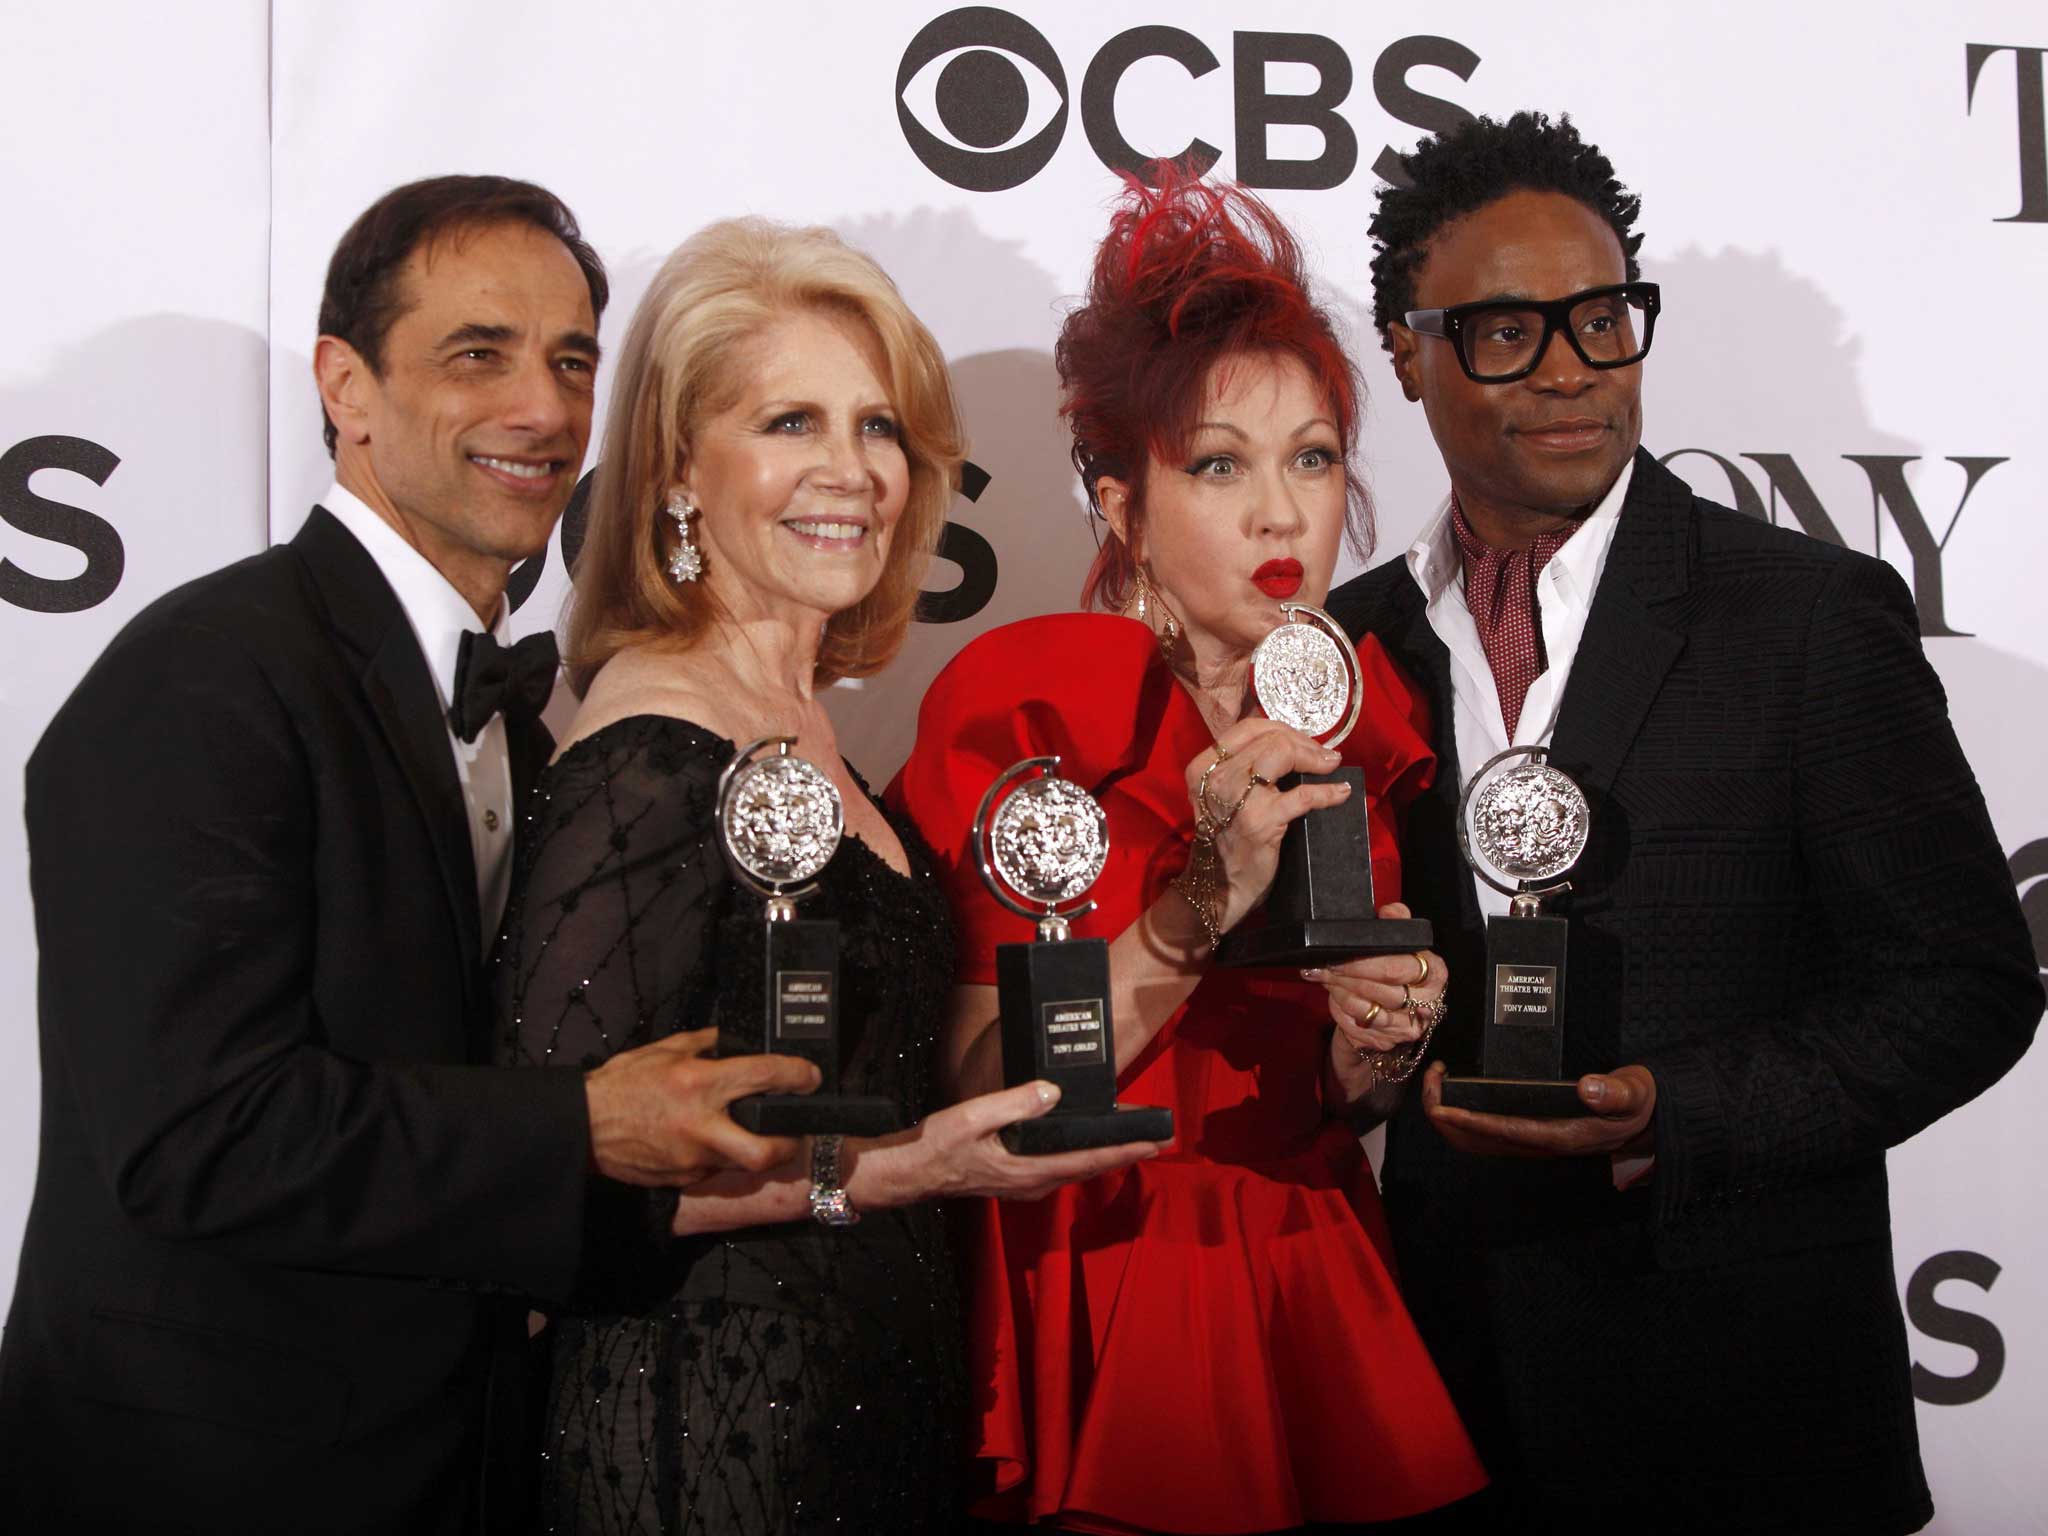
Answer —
782 445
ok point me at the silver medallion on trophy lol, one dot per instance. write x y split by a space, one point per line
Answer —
1522 824
779 823
1041 842
1306 674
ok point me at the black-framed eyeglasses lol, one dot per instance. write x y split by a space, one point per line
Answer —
1501 340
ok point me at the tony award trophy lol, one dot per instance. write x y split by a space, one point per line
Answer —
779 820
1305 674
1523 827
1046 843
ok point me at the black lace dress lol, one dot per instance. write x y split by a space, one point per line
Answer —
783 1378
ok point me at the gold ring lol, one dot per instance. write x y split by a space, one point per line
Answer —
1372 1012
1202 785
1250 784
1422 968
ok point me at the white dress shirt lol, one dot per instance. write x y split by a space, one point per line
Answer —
1564 596
439 616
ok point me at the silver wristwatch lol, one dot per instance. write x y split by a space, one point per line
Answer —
830 1206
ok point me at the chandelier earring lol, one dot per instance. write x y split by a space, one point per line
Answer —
1168 631
687 563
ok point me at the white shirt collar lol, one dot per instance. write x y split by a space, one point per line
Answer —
439 614
1436 563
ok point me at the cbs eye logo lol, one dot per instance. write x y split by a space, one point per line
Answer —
982 99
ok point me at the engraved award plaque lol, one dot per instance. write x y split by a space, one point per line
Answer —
1523 825
1040 851
779 821
1305 674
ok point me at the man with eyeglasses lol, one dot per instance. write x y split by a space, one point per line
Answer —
1793 942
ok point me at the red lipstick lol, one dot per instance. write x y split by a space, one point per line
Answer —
1278 578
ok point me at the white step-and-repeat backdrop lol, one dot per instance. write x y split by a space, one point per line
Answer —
1846 204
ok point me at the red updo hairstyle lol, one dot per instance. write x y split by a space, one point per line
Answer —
1190 274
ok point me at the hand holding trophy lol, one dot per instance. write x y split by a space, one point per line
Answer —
1305 674
1522 829
779 821
1040 851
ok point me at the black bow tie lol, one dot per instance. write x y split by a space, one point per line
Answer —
513 680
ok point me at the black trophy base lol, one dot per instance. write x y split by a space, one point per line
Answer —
1054 1001
1515 1096
1055 1132
813 1114
1321 907
1313 941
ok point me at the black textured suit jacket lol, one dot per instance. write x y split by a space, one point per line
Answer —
1793 910
274 1190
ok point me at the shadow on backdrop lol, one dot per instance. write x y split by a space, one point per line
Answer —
1022 544
130 464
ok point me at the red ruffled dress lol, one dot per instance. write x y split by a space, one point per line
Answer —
1212 1341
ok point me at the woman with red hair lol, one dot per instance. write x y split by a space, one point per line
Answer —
1212 1340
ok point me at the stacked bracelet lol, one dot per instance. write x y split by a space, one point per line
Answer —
830 1205
1200 884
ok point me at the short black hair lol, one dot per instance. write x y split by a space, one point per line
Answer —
361 301
1459 172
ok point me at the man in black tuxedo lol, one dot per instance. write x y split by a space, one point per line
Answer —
1793 940
285 1219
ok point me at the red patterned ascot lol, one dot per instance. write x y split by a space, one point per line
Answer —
1500 589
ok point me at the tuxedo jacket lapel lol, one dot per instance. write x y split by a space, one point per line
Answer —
1626 648
1433 818
400 692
